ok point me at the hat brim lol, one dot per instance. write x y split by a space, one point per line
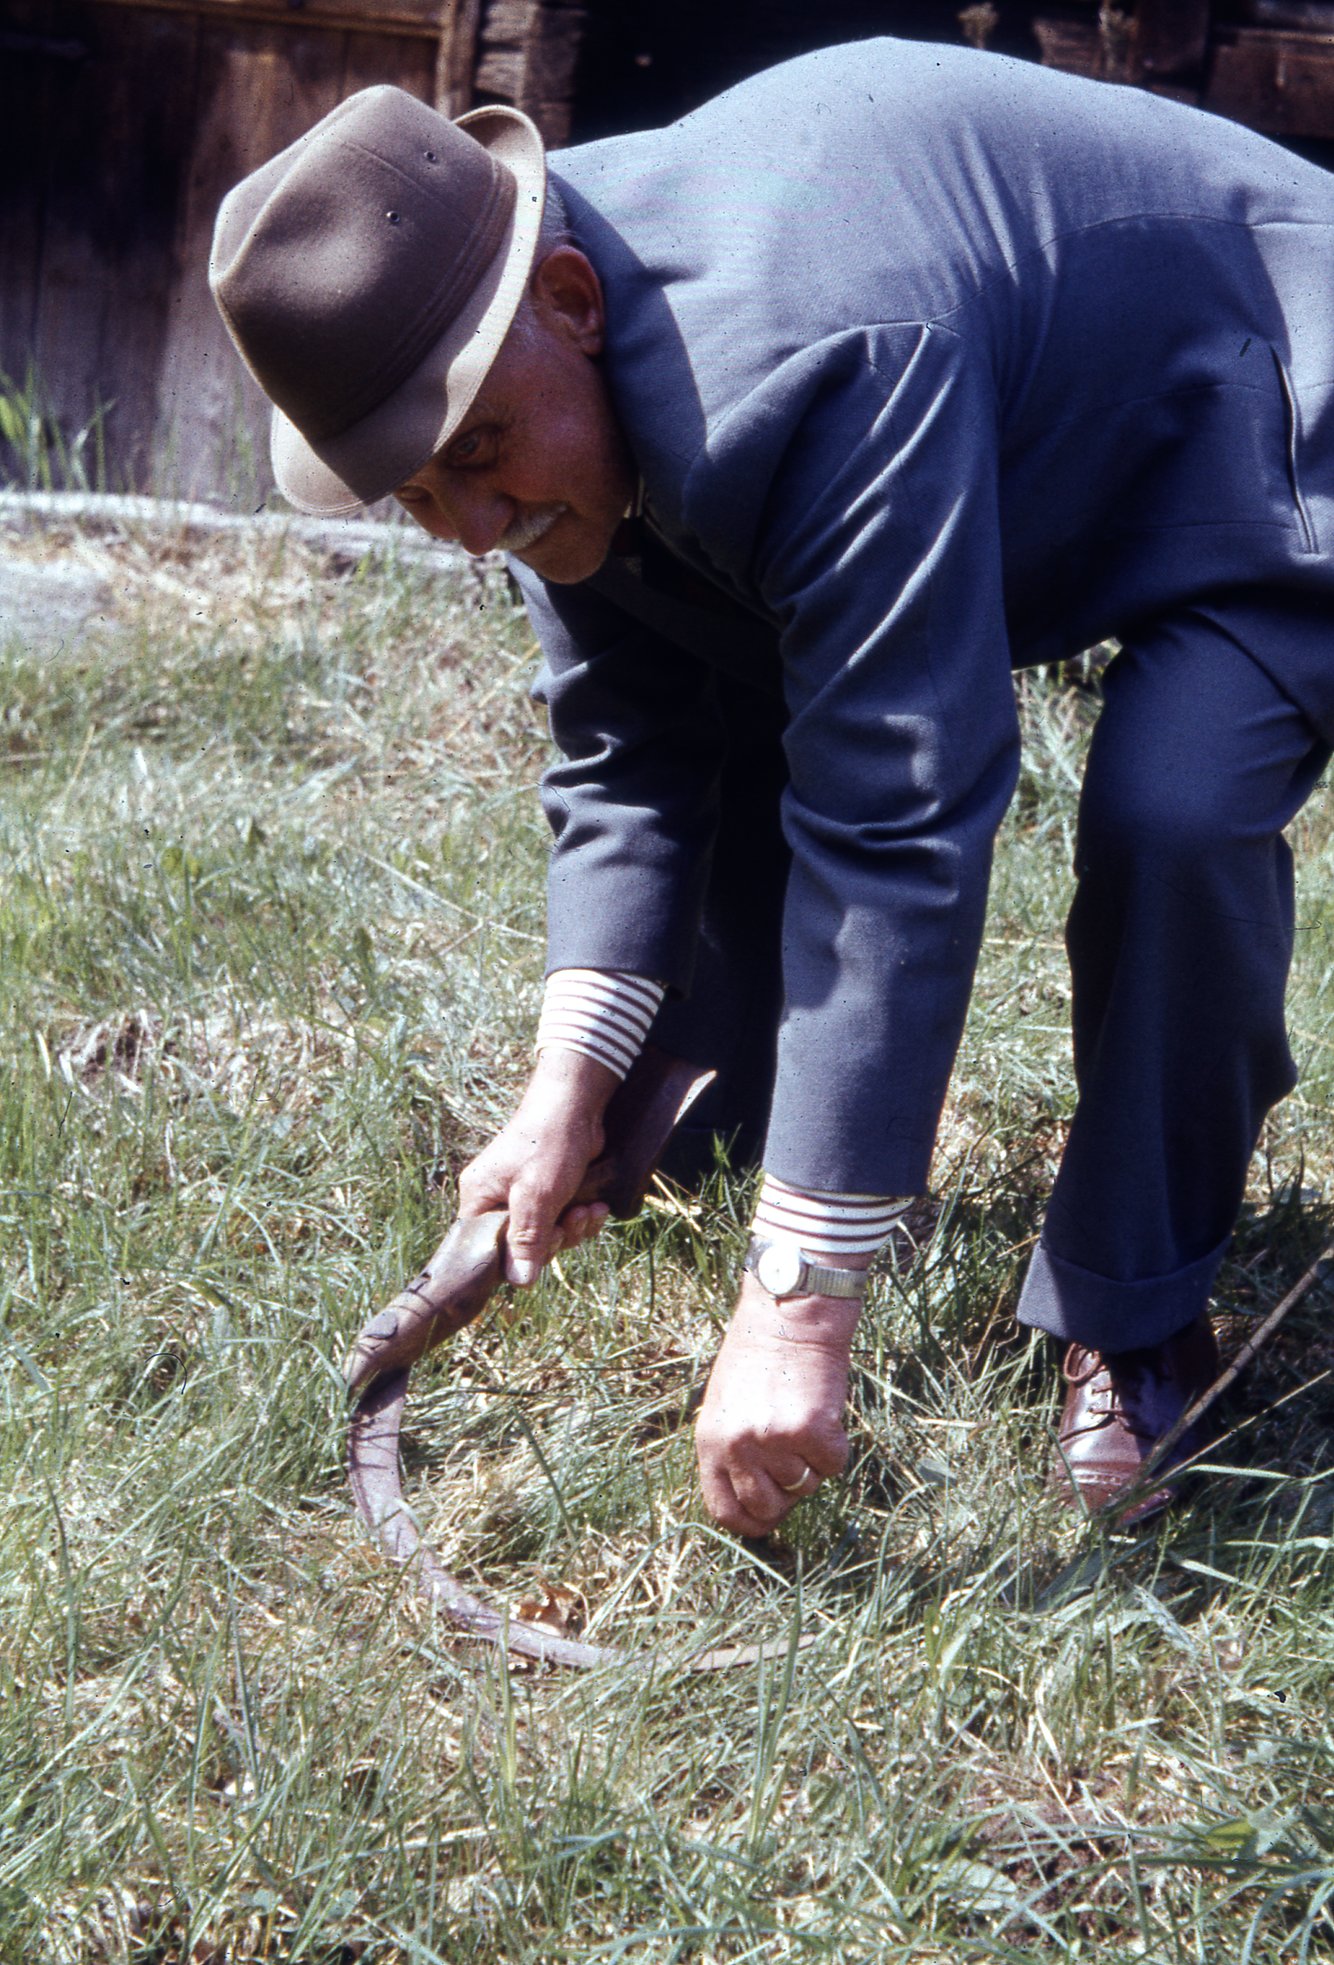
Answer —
380 452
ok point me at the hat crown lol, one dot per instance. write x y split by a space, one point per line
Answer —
343 260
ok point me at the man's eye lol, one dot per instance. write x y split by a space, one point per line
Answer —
470 449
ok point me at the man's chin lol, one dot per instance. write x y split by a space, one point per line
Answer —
569 551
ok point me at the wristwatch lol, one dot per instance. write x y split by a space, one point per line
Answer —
784 1269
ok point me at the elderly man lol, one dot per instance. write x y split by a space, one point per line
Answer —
805 420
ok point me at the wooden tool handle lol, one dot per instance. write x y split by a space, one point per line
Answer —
642 1114
458 1281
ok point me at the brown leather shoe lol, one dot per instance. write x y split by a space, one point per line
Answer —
1118 1404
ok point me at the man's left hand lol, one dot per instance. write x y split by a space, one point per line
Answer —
771 1426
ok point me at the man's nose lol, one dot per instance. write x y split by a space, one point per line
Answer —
472 515
482 522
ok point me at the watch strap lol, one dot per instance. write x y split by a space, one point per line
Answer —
814 1278
828 1279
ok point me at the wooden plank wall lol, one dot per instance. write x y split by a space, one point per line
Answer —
527 52
123 123
120 130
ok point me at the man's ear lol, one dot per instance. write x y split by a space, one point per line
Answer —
567 295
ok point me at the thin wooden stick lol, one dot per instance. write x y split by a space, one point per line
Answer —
1316 1274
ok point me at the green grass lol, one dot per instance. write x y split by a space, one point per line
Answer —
36 452
270 946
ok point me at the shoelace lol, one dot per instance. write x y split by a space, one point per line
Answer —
1104 1402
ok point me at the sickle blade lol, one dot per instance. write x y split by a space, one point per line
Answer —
377 1490
373 1473
453 1289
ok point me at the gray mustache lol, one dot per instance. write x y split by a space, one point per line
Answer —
527 530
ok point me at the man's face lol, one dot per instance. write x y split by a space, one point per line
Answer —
538 467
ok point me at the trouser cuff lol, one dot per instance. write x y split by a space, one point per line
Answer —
1082 1307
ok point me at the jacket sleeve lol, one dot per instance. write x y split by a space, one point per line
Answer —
880 555
632 799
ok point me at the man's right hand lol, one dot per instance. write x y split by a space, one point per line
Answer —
534 1167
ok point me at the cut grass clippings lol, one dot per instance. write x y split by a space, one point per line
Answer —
270 951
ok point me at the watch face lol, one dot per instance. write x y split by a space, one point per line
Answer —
779 1269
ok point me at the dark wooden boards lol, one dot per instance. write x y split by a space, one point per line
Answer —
379 17
527 53
1171 39
1275 79
1283 83
257 87
121 129
30 51
457 57
92 192
124 122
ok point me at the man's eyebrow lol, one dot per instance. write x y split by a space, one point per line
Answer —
481 409
480 412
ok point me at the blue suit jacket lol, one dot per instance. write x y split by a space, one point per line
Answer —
933 363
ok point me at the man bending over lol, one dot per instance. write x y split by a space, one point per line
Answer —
804 421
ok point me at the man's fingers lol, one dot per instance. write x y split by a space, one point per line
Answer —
771 1425
726 1507
826 1451
537 1231
535 1164
580 1224
524 1256
760 1498
770 1486
537 1226
751 1490
480 1191
750 1486
530 1237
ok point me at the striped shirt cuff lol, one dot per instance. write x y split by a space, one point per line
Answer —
827 1224
602 1012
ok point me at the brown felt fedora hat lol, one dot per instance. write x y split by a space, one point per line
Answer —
368 274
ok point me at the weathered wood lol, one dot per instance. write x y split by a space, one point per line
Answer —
117 126
501 73
121 128
25 122
527 54
15 40
457 59
1072 45
1280 83
259 88
553 68
420 17
1171 37
509 23
406 62
1302 16
1283 83
504 40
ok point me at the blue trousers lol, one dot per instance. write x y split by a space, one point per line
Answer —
1180 940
